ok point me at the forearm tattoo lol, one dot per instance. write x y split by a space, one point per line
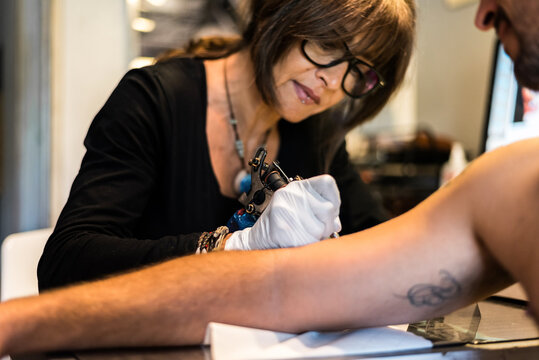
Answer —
434 295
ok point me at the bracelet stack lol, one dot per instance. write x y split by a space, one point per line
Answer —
212 241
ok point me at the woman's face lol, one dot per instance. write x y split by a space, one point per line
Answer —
303 89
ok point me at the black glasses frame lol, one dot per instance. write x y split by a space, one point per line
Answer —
352 62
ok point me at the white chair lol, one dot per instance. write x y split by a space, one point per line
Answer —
20 256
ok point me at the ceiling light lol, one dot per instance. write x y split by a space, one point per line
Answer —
143 25
141 62
157 2
455 4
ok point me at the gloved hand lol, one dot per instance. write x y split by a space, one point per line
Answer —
301 213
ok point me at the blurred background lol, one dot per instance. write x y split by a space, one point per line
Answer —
60 60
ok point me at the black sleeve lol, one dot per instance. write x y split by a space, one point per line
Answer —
95 233
360 209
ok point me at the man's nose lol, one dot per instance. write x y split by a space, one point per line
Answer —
486 13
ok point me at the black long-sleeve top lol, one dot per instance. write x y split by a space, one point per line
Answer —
146 189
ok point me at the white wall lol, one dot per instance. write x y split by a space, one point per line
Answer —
90 53
454 61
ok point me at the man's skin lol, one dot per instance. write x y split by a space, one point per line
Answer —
515 22
474 236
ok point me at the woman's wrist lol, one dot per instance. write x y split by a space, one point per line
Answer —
213 240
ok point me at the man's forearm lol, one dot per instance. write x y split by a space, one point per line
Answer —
166 304
360 280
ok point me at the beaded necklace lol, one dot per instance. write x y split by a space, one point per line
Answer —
242 182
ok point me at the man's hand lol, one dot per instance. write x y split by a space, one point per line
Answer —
301 213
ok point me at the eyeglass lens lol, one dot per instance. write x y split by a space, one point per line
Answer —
359 78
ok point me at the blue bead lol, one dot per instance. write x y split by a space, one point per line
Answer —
246 220
245 184
240 220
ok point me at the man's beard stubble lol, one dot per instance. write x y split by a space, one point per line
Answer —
527 62
527 29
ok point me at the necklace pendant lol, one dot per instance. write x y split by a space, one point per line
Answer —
242 182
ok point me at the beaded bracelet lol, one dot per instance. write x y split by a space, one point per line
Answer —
212 241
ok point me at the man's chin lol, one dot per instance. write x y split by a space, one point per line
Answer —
527 65
527 75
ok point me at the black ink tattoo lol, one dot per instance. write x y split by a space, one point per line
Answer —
434 295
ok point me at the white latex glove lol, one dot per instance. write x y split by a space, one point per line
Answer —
301 213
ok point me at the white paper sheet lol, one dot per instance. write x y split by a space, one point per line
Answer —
236 342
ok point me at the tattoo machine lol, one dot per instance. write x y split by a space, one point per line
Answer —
265 180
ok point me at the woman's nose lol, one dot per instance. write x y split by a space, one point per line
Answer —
486 13
332 76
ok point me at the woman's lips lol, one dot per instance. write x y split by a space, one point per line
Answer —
305 94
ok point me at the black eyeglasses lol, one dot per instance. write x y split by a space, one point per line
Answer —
360 78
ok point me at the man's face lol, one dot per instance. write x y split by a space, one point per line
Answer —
517 24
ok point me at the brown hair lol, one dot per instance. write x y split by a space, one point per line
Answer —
380 31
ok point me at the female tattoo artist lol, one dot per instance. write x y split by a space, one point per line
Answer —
162 166
471 238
